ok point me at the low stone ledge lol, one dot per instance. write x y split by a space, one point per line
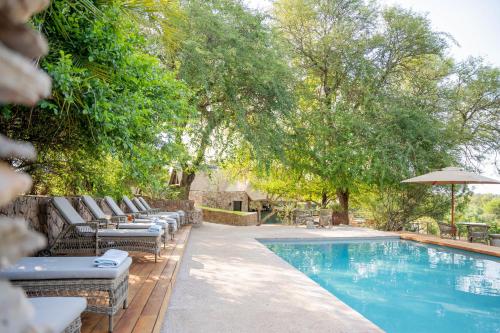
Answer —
229 217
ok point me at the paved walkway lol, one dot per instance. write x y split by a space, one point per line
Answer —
229 282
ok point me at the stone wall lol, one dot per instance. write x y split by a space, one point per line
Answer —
32 208
171 205
222 217
221 200
42 217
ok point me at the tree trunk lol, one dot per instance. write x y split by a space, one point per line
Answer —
268 216
173 178
186 181
343 198
324 200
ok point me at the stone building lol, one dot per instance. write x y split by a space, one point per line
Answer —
214 189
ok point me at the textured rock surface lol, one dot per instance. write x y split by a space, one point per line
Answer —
195 217
222 200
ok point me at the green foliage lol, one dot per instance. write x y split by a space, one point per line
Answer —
323 101
482 208
240 81
115 108
378 102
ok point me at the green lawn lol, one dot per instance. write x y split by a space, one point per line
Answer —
226 211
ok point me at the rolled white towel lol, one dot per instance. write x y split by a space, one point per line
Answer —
155 228
111 258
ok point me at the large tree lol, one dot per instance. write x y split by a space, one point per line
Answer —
240 82
364 87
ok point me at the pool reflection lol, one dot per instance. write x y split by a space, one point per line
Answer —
404 286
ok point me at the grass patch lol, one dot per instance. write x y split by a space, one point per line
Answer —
226 211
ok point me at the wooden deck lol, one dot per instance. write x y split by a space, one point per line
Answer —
457 244
150 287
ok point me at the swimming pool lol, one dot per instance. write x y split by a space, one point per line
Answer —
404 286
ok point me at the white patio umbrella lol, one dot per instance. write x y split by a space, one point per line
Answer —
451 175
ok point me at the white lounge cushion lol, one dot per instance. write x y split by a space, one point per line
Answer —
93 207
139 205
114 207
144 203
127 233
56 313
169 214
141 220
134 225
129 204
169 219
67 211
46 268
162 215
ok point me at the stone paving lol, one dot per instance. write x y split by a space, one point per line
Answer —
230 282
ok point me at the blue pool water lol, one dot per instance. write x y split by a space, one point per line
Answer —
403 286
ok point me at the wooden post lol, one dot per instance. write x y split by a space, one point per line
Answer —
453 228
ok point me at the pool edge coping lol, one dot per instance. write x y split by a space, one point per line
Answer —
463 247
370 326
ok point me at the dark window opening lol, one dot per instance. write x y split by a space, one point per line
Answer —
237 205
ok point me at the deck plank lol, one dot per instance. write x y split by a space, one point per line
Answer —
153 311
150 287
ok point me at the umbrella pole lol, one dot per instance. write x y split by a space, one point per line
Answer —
453 228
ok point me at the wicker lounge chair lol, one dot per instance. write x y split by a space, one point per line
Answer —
118 212
98 214
157 210
143 208
445 230
78 236
106 289
58 314
143 205
133 209
139 204
142 212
